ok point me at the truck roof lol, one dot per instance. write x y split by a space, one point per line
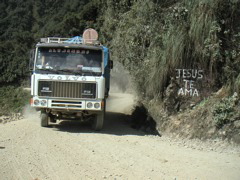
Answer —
75 42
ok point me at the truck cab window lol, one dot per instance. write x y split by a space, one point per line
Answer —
69 59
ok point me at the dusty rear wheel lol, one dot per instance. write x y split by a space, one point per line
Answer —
44 119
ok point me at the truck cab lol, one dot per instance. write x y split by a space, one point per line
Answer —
70 80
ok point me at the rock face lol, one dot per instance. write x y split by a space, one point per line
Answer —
142 120
171 100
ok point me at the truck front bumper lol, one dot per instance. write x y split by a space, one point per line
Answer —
68 104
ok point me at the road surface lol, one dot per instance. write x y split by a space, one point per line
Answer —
71 150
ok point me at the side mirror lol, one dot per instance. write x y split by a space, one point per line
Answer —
31 59
111 64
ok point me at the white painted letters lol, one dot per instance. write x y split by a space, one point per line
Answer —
189 76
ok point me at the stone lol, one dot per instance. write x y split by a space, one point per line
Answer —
237 124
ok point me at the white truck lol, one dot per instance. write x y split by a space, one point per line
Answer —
70 79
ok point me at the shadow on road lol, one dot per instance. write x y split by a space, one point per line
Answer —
115 123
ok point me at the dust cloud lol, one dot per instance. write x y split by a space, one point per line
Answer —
31 114
121 97
120 81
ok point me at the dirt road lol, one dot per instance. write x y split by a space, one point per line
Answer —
71 150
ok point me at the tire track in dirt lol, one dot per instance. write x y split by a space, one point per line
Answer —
71 150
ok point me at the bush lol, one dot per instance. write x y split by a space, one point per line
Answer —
12 99
224 111
153 38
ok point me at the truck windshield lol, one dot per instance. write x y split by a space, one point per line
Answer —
70 60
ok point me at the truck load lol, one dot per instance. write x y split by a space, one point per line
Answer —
71 79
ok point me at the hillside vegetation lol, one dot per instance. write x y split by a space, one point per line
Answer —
152 39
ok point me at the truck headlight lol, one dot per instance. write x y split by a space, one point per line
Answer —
36 102
89 105
43 102
97 105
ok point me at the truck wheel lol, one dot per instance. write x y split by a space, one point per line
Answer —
44 119
98 121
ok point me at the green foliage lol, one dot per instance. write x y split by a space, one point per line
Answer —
22 23
133 39
237 84
15 41
203 102
12 99
223 111
151 39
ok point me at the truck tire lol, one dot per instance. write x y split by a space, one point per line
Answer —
98 121
44 119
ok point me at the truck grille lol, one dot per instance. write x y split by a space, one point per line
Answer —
67 89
